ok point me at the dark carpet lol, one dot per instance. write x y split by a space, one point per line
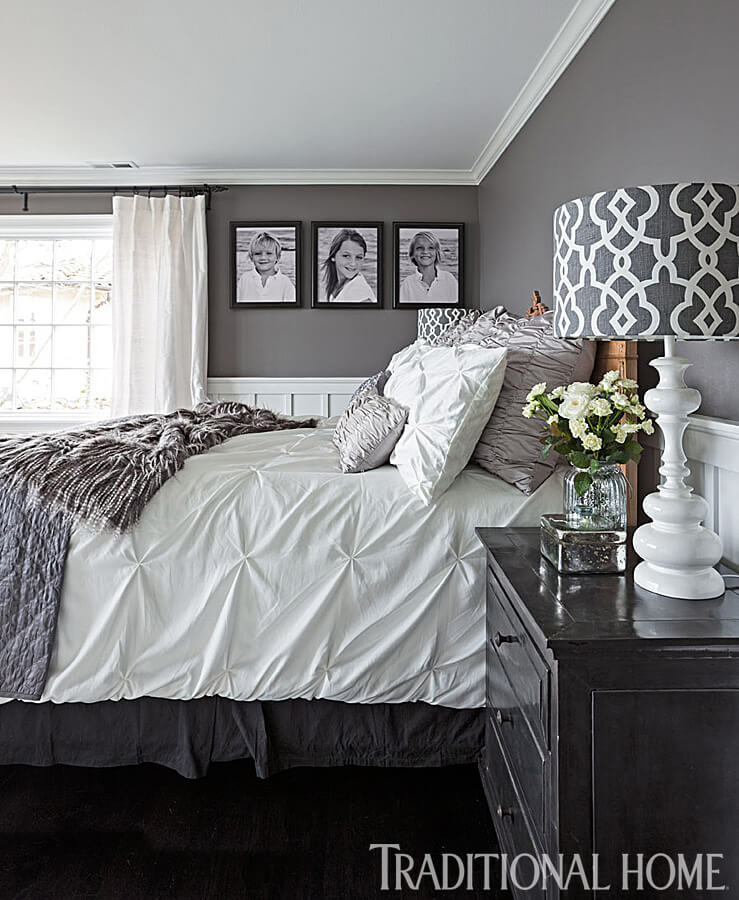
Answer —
145 832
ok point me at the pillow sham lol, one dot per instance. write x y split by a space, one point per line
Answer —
367 431
450 393
510 445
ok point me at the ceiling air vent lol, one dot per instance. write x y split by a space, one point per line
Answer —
113 165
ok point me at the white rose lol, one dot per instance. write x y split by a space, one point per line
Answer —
648 426
557 392
581 389
537 390
528 410
592 442
628 383
620 433
609 380
574 407
578 428
637 409
553 420
601 407
620 401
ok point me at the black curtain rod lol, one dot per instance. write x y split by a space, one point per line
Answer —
181 189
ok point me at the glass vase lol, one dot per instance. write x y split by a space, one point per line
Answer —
602 506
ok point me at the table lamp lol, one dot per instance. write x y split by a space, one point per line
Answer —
641 263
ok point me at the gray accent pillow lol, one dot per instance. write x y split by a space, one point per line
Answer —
368 430
376 381
510 445
448 337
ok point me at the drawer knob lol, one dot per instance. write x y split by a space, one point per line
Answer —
500 639
504 811
502 718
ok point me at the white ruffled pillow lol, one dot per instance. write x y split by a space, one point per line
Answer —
450 393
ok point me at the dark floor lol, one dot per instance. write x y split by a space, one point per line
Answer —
146 832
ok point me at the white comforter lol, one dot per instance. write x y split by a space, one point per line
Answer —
263 572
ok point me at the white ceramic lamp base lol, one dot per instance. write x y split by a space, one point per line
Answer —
678 552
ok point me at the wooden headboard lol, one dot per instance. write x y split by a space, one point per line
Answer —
620 355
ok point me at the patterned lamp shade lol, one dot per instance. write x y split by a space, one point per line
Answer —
651 261
434 321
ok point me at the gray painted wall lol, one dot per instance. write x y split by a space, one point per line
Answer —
651 97
331 342
305 341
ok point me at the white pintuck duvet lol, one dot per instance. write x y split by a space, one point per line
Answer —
261 572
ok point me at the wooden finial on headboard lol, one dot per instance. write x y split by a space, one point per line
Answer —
537 308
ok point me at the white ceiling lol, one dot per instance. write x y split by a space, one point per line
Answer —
231 86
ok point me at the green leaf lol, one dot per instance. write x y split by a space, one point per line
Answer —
632 449
582 483
594 465
545 450
579 459
618 456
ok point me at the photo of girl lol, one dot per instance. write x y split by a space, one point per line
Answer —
346 264
428 264
265 264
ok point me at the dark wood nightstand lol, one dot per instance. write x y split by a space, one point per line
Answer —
612 720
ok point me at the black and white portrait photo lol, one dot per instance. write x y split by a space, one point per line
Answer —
347 264
429 264
265 264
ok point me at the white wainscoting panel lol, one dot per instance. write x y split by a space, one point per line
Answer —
712 448
288 396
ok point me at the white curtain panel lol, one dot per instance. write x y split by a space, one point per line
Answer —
160 303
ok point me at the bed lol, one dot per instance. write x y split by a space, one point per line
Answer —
267 606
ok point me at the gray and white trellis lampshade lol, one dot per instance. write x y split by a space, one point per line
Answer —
651 261
647 262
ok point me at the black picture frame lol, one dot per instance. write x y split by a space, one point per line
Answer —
374 254
402 267
239 234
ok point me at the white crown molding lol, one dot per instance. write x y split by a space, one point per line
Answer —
76 226
68 176
578 27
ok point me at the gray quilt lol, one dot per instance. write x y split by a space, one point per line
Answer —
100 477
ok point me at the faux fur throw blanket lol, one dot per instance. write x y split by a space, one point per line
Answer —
101 476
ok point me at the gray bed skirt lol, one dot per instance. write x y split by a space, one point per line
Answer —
187 735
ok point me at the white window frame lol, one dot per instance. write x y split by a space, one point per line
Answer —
30 227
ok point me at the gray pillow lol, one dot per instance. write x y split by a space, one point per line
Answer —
376 381
368 430
510 445
449 335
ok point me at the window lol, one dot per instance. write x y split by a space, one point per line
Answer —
55 313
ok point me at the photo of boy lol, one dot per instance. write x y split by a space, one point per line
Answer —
265 264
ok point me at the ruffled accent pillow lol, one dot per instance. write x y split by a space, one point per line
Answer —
368 430
448 337
510 445
450 393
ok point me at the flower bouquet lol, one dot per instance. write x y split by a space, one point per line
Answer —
592 425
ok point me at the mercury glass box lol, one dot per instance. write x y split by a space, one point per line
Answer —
581 550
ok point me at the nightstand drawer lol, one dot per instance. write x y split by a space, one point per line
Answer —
527 761
512 826
526 671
